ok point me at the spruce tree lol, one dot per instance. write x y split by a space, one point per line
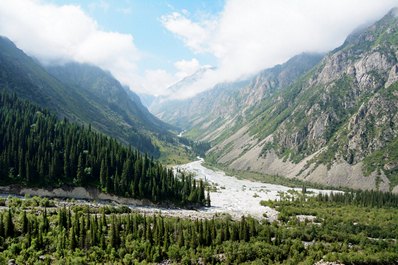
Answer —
9 225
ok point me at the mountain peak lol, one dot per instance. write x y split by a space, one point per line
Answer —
393 12
191 79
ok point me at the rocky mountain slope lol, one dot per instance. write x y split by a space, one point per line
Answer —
85 94
210 114
335 123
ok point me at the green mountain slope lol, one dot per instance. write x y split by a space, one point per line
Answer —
85 94
37 149
98 86
336 124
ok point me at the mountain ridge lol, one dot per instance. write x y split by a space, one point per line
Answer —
333 123
209 112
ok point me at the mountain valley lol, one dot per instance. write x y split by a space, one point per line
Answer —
199 132
326 119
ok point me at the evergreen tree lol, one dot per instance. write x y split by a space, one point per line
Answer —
9 225
25 223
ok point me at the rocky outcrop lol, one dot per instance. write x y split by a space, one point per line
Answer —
372 126
392 76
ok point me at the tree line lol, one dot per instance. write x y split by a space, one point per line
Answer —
38 149
366 198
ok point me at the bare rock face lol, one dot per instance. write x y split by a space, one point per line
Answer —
334 67
373 62
376 118
369 70
392 76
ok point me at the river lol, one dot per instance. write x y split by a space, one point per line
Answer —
239 197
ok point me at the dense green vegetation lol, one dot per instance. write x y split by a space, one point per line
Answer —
37 149
198 147
86 94
352 228
332 228
364 198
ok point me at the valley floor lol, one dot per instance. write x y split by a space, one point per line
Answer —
229 196
239 197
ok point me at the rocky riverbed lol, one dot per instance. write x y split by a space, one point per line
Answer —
239 197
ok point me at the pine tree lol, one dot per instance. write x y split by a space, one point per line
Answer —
103 174
45 224
208 202
72 239
80 171
25 223
9 225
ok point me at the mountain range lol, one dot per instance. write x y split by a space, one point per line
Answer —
330 119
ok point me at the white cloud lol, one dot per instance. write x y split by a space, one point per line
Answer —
56 34
186 68
193 34
247 36
157 81
101 5
125 10
250 35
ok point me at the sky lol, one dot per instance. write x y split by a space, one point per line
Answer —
149 45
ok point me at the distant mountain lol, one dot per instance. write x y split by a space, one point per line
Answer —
190 80
146 99
157 103
210 114
85 94
98 85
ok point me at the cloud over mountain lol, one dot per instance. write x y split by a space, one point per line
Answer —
56 34
245 37
250 35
